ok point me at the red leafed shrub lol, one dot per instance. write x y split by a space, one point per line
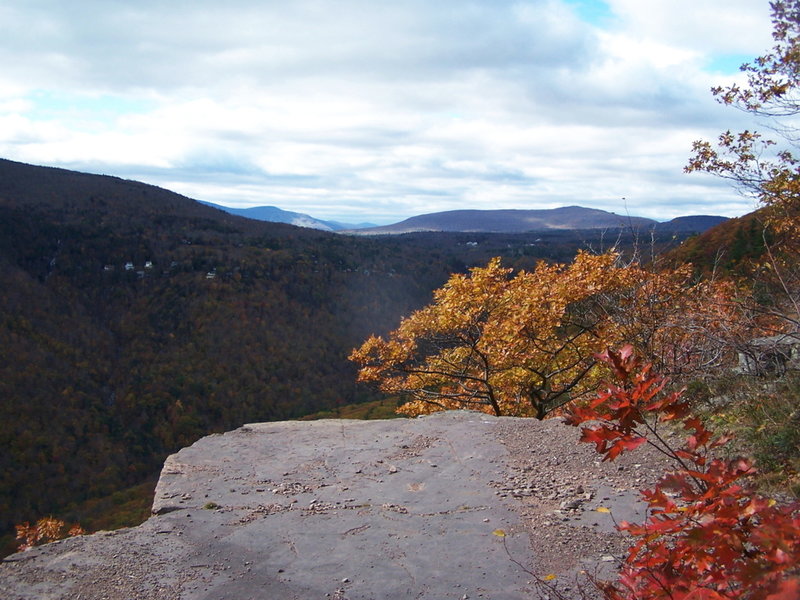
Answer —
707 535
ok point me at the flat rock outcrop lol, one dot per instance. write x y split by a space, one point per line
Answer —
355 510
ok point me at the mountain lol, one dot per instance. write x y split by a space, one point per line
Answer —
511 221
692 224
277 215
488 221
519 221
339 226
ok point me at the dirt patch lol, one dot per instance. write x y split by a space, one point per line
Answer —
559 484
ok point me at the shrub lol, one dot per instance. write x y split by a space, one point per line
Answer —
707 535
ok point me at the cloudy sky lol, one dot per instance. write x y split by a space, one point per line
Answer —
377 110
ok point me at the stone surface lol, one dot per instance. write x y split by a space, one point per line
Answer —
352 510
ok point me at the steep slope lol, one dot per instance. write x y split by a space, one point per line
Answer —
731 247
134 320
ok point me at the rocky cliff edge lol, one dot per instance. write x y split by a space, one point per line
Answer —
357 510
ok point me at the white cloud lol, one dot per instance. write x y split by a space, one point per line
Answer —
376 111
720 26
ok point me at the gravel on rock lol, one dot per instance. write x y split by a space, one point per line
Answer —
558 484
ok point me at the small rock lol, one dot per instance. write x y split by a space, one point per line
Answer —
570 504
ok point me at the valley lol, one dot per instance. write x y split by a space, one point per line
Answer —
134 320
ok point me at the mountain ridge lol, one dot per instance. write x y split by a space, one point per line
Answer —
527 220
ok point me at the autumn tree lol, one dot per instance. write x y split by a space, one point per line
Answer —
46 529
685 328
525 344
763 166
767 167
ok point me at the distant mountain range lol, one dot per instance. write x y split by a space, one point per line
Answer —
274 214
693 224
520 221
486 221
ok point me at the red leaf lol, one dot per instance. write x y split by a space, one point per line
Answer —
788 590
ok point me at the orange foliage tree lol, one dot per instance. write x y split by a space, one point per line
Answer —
46 529
525 344
707 535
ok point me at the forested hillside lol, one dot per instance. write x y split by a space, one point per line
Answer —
734 248
133 321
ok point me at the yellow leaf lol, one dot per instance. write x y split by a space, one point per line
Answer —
772 502
603 509
549 577
499 533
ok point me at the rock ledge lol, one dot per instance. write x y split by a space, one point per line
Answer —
356 510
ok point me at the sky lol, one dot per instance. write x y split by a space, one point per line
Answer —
378 110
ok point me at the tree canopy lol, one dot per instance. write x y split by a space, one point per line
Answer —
525 344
